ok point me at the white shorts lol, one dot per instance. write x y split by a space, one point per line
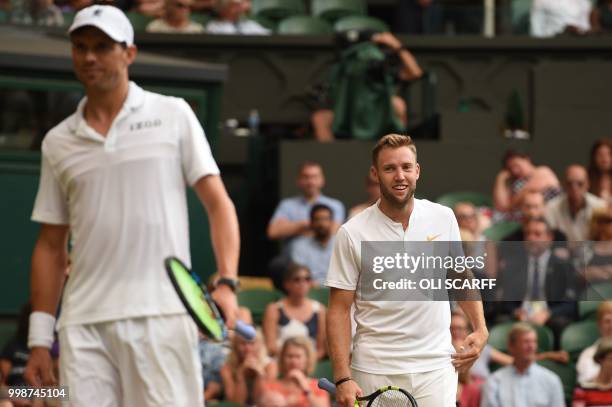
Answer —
437 388
148 362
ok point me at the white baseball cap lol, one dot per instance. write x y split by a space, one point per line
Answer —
108 19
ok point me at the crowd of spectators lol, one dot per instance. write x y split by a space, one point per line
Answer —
546 18
560 248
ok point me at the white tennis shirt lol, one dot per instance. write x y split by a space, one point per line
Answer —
394 337
124 197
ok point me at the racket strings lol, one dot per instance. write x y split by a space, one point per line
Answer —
391 398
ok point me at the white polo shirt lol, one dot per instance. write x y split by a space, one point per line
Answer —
124 198
394 337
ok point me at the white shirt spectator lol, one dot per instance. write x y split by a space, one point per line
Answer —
161 26
576 229
551 17
586 368
245 27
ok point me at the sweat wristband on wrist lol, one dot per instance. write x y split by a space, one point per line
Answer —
344 379
42 326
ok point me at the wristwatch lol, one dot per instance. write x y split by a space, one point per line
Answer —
232 283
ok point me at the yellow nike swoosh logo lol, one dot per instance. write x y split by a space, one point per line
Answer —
434 237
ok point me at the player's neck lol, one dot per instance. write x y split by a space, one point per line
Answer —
103 106
396 213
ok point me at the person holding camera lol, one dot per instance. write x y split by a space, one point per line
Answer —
409 69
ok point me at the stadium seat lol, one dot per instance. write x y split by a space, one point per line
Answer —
304 25
324 369
567 374
4 18
476 198
577 336
498 337
256 300
8 328
320 294
201 18
68 18
587 309
499 231
266 22
277 9
360 23
333 10
520 10
598 292
139 21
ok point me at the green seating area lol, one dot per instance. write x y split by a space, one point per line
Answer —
475 198
256 300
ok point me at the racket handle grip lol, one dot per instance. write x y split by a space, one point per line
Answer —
327 386
245 330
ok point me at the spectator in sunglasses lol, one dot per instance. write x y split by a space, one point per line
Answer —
175 19
571 211
295 314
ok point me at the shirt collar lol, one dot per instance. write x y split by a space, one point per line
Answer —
390 221
527 372
135 99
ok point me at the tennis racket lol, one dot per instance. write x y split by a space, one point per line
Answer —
391 396
199 304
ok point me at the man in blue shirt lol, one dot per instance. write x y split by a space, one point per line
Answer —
315 251
292 215
523 383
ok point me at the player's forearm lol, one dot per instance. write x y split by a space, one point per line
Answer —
475 314
47 277
339 340
225 236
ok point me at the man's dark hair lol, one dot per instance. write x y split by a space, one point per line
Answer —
539 219
510 154
320 207
292 269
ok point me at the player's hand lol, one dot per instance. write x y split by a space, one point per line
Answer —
39 370
470 351
346 393
225 298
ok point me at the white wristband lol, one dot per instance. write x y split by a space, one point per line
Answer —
42 326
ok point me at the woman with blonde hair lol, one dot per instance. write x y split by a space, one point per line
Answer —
296 362
246 368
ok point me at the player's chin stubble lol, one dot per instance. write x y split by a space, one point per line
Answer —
395 202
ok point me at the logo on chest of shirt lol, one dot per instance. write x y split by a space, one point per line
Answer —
145 124
433 237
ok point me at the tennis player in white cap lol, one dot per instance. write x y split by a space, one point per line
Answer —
113 177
